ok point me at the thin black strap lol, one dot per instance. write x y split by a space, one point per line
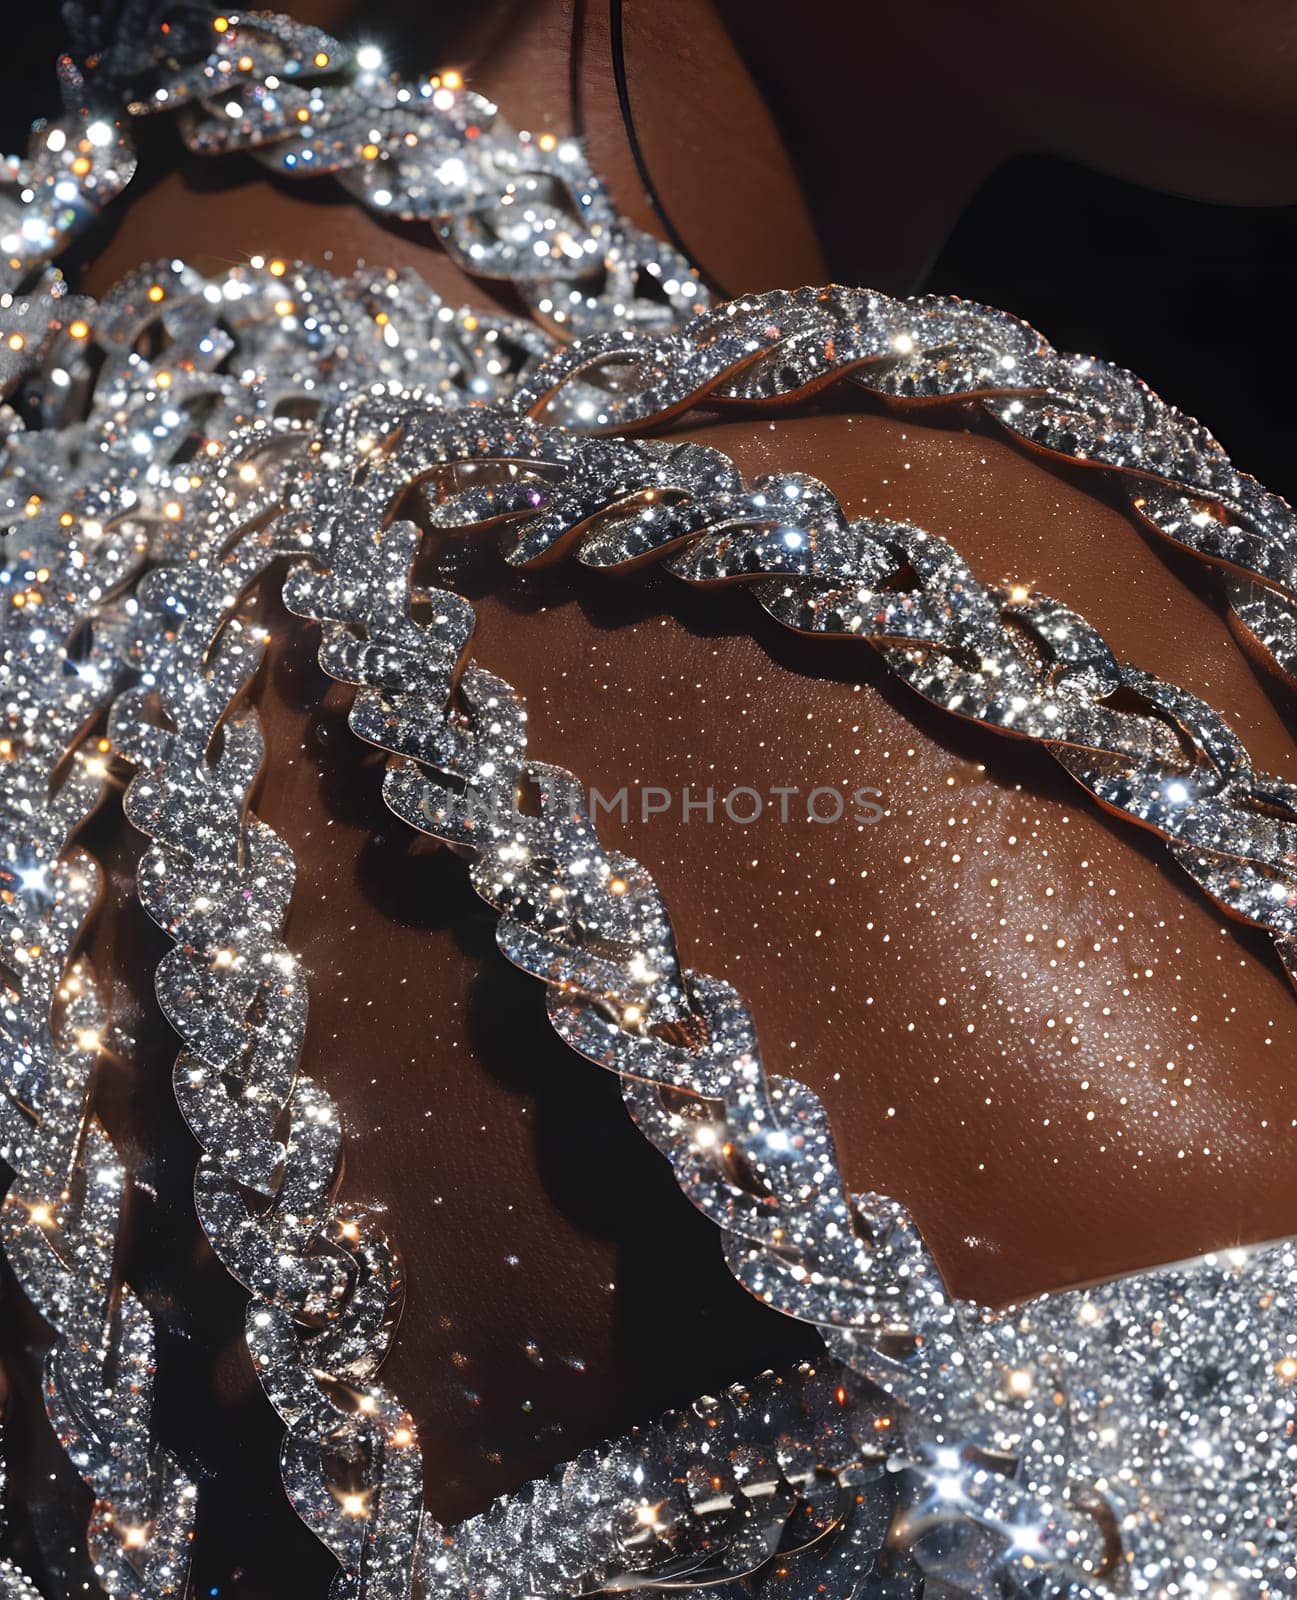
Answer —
632 139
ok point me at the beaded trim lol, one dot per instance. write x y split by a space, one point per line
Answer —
514 207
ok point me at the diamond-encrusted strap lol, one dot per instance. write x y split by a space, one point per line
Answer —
522 208
61 1217
134 395
591 924
701 1499
1014 660
771 348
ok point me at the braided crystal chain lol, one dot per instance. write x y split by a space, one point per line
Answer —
325 1284
854 1267
519 208
65 653
787 345
61 1217
90 503
218 881
591 924
1011 659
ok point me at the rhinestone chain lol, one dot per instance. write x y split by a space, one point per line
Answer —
870 1272
61 1217
787 345
89 503
1014 660
522 209
591 925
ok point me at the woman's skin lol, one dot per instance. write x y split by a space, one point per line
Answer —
1024 1021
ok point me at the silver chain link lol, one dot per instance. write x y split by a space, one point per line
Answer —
773 348
92 498
522 209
